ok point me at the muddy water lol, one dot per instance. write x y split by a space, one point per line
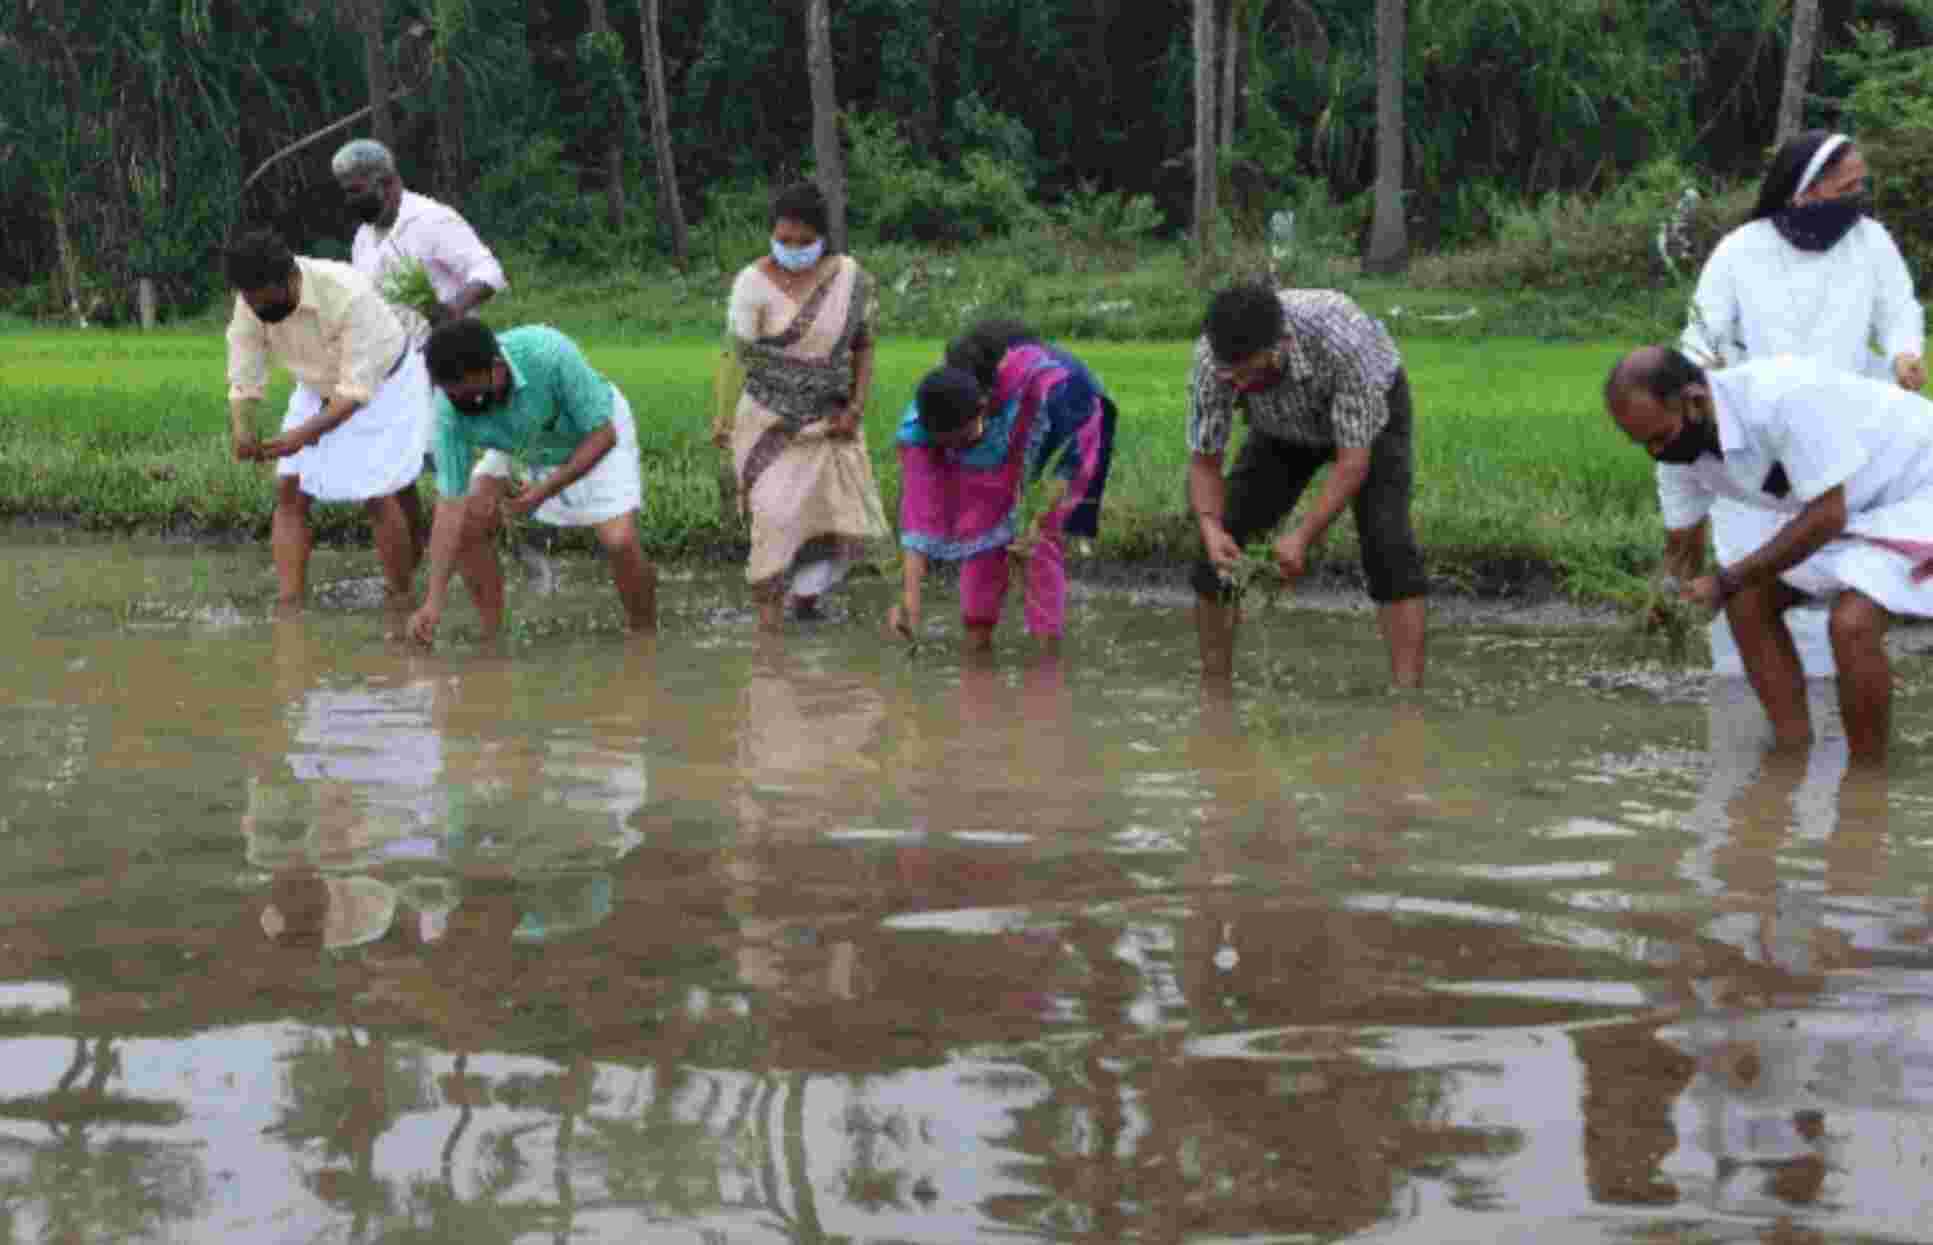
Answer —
307 936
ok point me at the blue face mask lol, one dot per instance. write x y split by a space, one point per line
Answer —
797 258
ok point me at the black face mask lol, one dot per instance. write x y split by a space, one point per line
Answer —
480 403
275 313
368 208
1819 226
1696 438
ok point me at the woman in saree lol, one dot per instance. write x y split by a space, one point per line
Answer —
799 354
1003 456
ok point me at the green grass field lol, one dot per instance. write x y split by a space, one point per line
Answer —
1518 468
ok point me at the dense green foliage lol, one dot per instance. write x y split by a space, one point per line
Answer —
132 125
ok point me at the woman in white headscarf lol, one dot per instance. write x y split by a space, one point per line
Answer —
1813 274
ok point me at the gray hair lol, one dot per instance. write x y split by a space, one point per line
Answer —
362 155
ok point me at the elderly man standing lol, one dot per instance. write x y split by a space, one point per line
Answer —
1320 383
399 226
1846 464
354 428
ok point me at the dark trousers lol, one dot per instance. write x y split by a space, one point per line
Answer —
1269 477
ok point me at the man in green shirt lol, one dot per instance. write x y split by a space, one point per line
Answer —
528 398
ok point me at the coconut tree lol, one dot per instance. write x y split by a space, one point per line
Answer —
375 58
826 153
614 140
1388 237
1798 67
669 206
1235 19
450 20
1207 163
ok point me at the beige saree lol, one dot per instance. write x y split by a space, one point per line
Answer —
811 499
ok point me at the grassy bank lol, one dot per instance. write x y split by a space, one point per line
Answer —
1518 470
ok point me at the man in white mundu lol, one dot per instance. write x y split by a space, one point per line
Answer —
400 227
1841 467
1810 274
354 430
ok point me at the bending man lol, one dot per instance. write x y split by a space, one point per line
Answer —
530 401
354 428
1319 383
1846 465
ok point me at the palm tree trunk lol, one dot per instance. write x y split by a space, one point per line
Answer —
614 142
1388 238
452 158
1206 164
452 18
369 14
1798 68
825 119
1232 49
70 267
669 205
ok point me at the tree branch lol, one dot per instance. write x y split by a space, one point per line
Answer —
320 134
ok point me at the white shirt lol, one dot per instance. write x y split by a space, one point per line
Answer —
436 236
1825 427
1759 296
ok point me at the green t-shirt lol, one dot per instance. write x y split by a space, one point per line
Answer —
556 400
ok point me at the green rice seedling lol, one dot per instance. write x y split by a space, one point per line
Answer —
407 284
1663 612
1038 496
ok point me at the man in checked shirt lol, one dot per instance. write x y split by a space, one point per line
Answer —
1319 382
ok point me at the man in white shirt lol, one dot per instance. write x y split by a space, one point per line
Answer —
1810 273
1845 462
400 226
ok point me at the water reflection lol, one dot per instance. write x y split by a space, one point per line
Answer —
666 940
1799 1072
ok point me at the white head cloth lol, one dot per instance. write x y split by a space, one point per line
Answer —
1818 162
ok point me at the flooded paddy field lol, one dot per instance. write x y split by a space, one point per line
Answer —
309 935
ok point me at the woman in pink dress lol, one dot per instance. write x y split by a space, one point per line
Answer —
1003 455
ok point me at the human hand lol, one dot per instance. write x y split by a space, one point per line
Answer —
523 501
286 444
903 620
1292 555
1219 546
246 447
1910 371
845 425
722 438
1705 591
422 624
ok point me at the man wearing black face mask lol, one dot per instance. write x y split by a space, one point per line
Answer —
527 403
1842 468
399 226
1810 274
355 427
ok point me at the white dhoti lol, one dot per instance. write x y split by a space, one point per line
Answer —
612 488
1876 557
375 452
